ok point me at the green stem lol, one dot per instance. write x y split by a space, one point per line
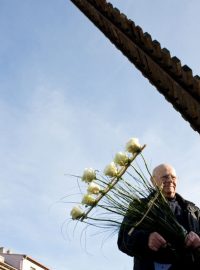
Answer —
150 207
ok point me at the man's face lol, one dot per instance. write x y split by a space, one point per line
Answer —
165 177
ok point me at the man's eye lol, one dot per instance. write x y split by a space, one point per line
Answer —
165 177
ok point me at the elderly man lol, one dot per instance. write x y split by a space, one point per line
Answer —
149 248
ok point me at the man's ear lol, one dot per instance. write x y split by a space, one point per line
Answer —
153 180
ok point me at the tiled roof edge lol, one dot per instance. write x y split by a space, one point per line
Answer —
174 81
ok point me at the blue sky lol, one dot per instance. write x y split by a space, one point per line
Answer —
69 100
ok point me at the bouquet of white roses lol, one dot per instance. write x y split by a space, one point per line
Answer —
123 190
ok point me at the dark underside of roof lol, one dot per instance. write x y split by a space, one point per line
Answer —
174 81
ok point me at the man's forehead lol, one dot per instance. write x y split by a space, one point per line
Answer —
164 169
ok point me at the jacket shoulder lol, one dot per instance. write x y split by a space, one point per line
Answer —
191 206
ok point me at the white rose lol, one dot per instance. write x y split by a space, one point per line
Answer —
93 188
121 159
88 175
88 199
76 212
111 170
133 145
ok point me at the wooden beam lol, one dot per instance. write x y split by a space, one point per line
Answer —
171 79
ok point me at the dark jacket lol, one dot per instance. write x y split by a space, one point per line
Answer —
136 244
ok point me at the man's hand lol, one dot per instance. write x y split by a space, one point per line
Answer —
192 240
156 241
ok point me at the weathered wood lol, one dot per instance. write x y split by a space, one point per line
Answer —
174 81
157 50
